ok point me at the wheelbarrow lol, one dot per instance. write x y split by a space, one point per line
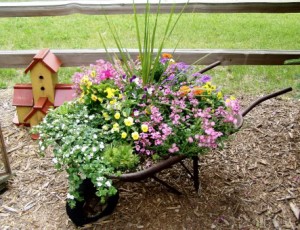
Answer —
91 210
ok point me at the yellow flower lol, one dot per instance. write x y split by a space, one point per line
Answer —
231 98
209 87
144 128
117 115
93 73
81 100
135 136
120 96
112 102
124 135
110 92
94 97
88 84
115 128
106 116
128 121
219 95
84 80
105 127
100 99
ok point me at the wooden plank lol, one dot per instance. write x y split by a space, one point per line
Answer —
79 57
3 154
58 8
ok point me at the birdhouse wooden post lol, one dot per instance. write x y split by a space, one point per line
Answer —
33 100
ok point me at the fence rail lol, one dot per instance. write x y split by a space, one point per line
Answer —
21 58
59 8
78 57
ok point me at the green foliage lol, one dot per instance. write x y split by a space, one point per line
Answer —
121 157
149 61
72 133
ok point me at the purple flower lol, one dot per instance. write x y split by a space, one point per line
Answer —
205 78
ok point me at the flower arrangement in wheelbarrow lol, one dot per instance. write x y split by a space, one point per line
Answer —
118 123
130 114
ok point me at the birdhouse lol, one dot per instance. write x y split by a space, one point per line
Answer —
43 73
33 100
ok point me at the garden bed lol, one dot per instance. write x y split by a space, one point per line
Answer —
250 184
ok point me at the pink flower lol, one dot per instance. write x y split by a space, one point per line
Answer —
173 149
190 140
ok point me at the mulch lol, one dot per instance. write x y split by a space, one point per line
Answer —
253 183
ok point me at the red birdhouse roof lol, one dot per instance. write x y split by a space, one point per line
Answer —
43 105
23 95
47 58
63 92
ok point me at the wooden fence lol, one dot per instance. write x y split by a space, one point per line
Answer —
78 57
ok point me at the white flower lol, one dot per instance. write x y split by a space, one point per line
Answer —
101 145
136 81
136 113
91 117
94 149
42 148
40 143
69 196
107 183
99 184
94 136
150 90
84 148
63 126
100 178
54 160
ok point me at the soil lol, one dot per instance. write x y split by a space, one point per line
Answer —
253 183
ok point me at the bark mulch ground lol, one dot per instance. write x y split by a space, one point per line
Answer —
253 183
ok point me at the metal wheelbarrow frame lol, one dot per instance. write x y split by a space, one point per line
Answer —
78 216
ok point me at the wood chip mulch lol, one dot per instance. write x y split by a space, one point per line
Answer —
253 183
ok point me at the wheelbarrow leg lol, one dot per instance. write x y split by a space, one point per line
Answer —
172 189
196 172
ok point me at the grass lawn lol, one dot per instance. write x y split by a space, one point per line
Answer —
234 31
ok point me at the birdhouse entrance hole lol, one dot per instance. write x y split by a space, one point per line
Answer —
41 77
42 88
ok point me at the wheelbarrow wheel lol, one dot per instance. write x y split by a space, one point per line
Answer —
91 209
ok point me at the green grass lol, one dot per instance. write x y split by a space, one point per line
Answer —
234 31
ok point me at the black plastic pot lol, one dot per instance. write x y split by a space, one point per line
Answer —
90 209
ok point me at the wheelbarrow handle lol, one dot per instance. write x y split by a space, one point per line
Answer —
260 100
211 66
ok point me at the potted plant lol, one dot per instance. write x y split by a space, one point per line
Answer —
130 114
